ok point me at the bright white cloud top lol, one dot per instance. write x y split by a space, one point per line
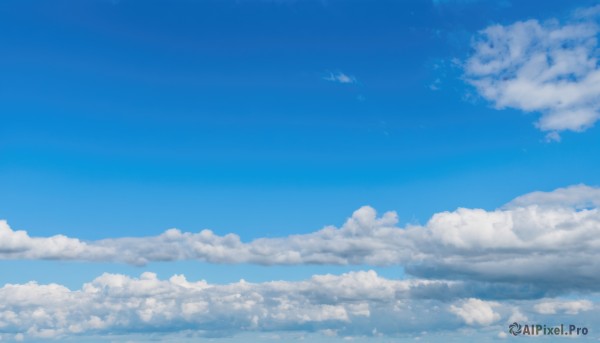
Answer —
544 67
537 239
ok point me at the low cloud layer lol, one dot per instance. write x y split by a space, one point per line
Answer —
353 304
542 240
545 67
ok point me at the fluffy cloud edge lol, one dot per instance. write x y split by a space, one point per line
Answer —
537 239
547 67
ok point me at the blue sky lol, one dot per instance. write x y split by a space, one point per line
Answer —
274 119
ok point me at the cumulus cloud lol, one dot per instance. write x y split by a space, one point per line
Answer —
544 67
542 242
340 77
467 267
539 238
364 238
357 303
476 312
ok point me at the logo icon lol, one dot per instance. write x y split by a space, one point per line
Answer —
514 328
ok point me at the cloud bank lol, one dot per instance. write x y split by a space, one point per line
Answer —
545 67
354 303
539 239
348 305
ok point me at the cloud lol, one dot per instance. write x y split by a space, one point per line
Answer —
538 238
476 312
544 67
356 303
435 85
364 238
340 77
538 243
576 196
569 307
469 269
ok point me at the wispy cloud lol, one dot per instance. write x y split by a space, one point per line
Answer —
542 233
569 307
340 77
543 67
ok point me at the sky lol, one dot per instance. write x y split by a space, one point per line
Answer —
282 170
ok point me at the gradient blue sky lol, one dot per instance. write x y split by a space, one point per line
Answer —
127 118
136 117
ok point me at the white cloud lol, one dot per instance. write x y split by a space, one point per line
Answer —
546 240
18 244
476 312
568 307
364 238
541 67
357 303
538 238
576 196
340 78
